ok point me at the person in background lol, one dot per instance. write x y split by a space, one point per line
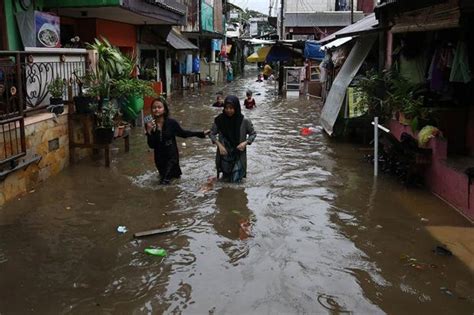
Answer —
249 102
219 100
267 71
161 134
232 132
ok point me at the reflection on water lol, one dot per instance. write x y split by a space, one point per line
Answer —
307 232
233 220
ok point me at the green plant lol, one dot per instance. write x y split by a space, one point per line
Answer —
407 98
56 88
372 90
150 74
106 115
388 92
111 65
132 87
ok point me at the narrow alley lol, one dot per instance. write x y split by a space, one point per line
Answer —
308 232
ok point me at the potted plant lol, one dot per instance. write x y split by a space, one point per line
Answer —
131 93
84 100
56 90
105 122
406 98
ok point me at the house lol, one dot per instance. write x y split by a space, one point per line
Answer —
435 38
205 29
429 45
33 36
315 19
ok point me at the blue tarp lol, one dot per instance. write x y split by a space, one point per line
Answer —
312 51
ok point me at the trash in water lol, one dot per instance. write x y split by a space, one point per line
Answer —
424 220
378 226
306 131
183 144
156 252
442 251
122 229
446 290
209 185
236 211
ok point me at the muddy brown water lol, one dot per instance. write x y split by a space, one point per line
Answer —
308 232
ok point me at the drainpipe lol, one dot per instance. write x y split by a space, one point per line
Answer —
388 56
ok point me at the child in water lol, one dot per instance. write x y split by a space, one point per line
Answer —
219 100
161 134
249 102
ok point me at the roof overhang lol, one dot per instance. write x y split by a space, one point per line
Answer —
368 24
179 42
130 12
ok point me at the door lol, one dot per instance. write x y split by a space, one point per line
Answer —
162 70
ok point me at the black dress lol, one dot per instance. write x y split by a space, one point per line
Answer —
166 150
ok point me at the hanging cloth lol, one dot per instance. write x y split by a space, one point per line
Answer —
460 71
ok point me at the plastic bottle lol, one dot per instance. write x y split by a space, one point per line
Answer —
156 252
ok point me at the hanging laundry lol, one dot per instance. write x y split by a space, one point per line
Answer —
460 71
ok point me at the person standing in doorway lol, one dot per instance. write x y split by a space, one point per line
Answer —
161 134
232 132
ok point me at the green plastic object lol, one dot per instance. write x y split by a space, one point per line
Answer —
136 103
131 107
156 252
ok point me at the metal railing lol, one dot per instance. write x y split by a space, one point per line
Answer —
24 80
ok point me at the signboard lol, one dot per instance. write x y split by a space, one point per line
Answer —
293 79
354 105
47 30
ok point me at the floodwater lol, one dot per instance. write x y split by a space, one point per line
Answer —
308 232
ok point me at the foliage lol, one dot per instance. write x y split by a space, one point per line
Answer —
132 86
105 115
111 65
407 97
56 87
388 92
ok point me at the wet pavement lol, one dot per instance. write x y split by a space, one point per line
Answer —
308 232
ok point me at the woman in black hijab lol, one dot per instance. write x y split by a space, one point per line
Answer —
232 132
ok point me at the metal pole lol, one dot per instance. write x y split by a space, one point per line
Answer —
352 11
376 146
282 29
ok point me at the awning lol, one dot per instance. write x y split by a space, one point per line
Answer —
130 12
349 69
179 42
256 41
366 25
336 43
281 53
260 55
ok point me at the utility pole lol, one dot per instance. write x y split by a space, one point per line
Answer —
270 8
352 11
282 19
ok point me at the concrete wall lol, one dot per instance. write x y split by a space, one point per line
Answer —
311 6
40 130
444 180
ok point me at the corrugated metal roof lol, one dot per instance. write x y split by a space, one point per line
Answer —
179 42
369 23
336 43
321 19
